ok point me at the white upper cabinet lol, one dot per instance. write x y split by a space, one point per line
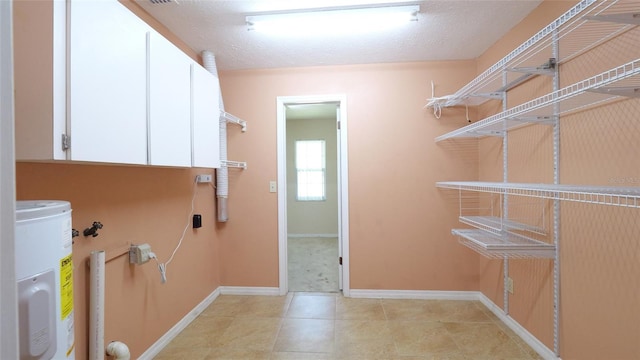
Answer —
169 103
107 83
94 83
205 97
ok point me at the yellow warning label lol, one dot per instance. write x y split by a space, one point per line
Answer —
66 286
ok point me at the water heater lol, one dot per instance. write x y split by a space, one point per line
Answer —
44 272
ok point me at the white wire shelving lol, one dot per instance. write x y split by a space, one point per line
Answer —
234 164
597 21
602 195
233 120
506 244
622 81
497 225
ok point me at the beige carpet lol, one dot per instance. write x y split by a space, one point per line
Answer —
313 264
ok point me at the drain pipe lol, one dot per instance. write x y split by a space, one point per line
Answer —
222 178
96 305
119 350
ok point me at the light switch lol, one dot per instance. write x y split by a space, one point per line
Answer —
272 186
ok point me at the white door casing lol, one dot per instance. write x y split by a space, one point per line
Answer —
343 181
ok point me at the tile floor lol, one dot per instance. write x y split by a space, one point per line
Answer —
317 326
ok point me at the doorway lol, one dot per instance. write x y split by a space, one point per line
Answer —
312 194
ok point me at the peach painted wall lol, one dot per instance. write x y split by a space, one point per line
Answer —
598 310
399 222
136 205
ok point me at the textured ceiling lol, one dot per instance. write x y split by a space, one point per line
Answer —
445 30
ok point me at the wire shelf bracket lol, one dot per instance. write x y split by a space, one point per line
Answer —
233 120
626 18
234 164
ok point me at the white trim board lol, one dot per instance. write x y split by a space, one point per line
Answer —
249 290
523 333
312 236
165 339
415 294
343 188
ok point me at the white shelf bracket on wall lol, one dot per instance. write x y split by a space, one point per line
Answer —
631 91
627 18
234 164
233 120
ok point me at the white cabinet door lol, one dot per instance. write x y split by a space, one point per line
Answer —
169 103
107 70
205 99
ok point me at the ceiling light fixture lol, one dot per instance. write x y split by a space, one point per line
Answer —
334 21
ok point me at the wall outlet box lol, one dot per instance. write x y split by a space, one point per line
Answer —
203 178
197 221
139 254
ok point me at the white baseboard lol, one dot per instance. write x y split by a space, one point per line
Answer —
414 294
531 340
312 235
249 290
177 328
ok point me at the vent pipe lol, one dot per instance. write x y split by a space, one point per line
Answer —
222 178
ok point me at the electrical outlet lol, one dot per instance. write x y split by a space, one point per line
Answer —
139 254
203 178
510 285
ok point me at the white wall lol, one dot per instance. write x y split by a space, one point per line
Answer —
312 217
8 302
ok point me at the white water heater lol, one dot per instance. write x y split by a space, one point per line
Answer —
44 272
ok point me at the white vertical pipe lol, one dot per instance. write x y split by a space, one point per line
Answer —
96 305
222 178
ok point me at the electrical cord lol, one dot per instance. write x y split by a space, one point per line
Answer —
162 267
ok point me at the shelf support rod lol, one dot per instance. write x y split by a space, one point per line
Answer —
556 203
505 201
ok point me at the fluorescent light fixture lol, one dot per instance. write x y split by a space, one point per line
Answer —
334 21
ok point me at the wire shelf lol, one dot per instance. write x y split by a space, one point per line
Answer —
234 164
597 22
613 196
597 90
497 224
233 119
506 244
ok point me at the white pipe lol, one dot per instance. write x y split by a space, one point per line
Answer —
96 305
119 350
222 178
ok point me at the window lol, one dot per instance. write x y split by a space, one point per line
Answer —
311 169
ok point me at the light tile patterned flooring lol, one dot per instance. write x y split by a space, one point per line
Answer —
322 326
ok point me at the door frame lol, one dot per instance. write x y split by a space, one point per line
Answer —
9 348
343 184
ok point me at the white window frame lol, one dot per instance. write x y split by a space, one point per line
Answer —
322 169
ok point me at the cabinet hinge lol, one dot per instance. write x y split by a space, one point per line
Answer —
340 260
66 142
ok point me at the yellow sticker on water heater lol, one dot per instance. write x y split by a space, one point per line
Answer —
66 286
